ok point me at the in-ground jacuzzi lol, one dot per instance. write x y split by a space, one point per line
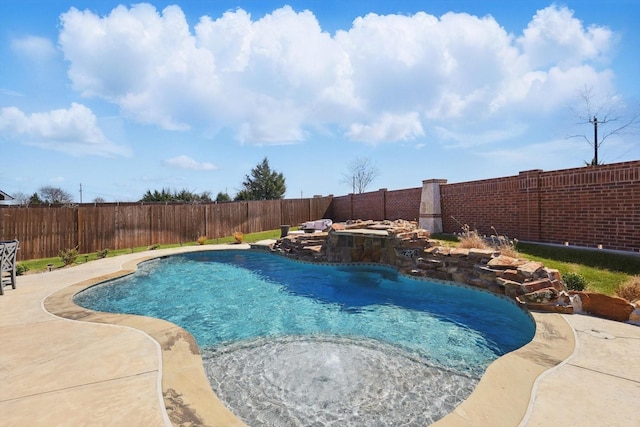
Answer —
290 343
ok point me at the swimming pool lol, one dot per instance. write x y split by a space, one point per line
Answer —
332 345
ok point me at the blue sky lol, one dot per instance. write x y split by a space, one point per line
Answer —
125 97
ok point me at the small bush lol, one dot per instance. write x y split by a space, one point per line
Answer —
68 256
150 248
574 281
21 269
471 239
503 244
630 290
103 253
238 236
202 240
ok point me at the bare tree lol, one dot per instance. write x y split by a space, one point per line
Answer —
21 198
55 195
360 174
608 117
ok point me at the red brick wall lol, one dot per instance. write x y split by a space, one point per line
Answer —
592 206
403 204
369 205
585 206
340 208
480 205
378 205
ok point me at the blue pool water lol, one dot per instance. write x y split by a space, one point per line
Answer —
290 343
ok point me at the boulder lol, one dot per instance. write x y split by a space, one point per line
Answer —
553 274
537 285
459 252
531 269
432 250
511 275
505 262
541 296
511 288
612 308
443 251
481 253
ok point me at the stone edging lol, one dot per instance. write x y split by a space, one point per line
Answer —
501 397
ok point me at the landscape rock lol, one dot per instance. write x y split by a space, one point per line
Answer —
403 245
459 252
541 296
512 288
511 275
537 285
531 269
505 262
608 307
481 253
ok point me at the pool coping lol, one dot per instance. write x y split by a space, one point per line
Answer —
502 397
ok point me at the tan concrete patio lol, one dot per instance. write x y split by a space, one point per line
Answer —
78 367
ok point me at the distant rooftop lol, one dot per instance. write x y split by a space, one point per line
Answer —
5 196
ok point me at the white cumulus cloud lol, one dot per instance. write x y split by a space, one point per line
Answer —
555 37
279 78
73 130
186 162
388 128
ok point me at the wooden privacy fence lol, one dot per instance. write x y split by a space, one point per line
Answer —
43 230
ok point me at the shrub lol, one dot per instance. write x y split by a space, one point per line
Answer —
574 281
202 240
21 269
150 248
471 239
630 290
68 256
103 253
238 236
504 244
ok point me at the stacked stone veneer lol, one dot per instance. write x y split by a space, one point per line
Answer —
403 245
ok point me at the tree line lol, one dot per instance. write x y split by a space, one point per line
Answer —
262 183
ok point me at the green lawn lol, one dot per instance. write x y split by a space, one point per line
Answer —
604 271
39 265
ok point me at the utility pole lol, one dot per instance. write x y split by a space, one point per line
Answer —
80 193
595 140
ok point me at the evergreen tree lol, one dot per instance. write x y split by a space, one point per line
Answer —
35 199
223 197
263 184
167 195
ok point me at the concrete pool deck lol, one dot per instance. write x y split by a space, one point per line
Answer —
128 370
